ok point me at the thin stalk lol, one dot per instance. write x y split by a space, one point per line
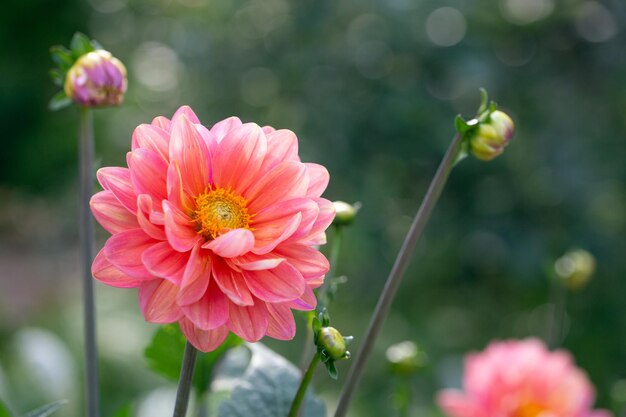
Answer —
395 276
184 383
86 244
304 384
322 295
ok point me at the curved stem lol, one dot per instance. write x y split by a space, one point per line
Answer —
395 276
184 382
86 244
306 379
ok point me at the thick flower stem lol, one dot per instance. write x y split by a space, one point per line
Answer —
395 276
184 383
306 379
86 240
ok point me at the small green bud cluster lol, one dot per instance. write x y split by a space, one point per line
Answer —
331 345
488 133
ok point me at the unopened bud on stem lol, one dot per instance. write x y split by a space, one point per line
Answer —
492 136
96 79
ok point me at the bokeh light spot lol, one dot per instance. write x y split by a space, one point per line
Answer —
445 26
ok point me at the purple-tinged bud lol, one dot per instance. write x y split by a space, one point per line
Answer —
97 79
492 136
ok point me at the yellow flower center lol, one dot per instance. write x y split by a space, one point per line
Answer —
218 211
529 409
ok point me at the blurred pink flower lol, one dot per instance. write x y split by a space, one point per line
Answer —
216 227
521 379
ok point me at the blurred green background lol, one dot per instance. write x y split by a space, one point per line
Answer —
371 88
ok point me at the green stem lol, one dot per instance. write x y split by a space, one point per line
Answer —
395 276
86 244
184 383
306 379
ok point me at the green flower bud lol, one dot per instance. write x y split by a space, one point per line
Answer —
345 213
492 136
405 358
333 343
575 268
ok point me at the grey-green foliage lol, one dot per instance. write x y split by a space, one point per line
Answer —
46 410
267 388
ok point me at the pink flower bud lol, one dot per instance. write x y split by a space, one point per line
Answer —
492 136
96 79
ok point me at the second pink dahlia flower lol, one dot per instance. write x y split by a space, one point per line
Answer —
216 227
521 379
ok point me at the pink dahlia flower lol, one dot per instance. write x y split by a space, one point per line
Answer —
521 379
216 227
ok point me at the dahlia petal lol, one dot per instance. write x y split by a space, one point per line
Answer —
179 229
268 129
306 302
105 272
455 404
325 217
249 322
187 147
318 179
239 156
157 300
146 217
124 251
222 128
111 215
117 180
232 244
152 137
175 192
269 223
281 326
196 278
164 262
148 173
163 123
203 340
285 181
266 242
251 262
311 263
282 145
231 283
283 283
210 311
187 112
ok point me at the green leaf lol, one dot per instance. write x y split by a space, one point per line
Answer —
125 411
332 369
165 356
460 124
4 410
165 352
46 410
484 99
267 388
59 101
80 45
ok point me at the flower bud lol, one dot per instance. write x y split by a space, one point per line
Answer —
492 136
333 343
575 268
96 79
345 213
405 358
